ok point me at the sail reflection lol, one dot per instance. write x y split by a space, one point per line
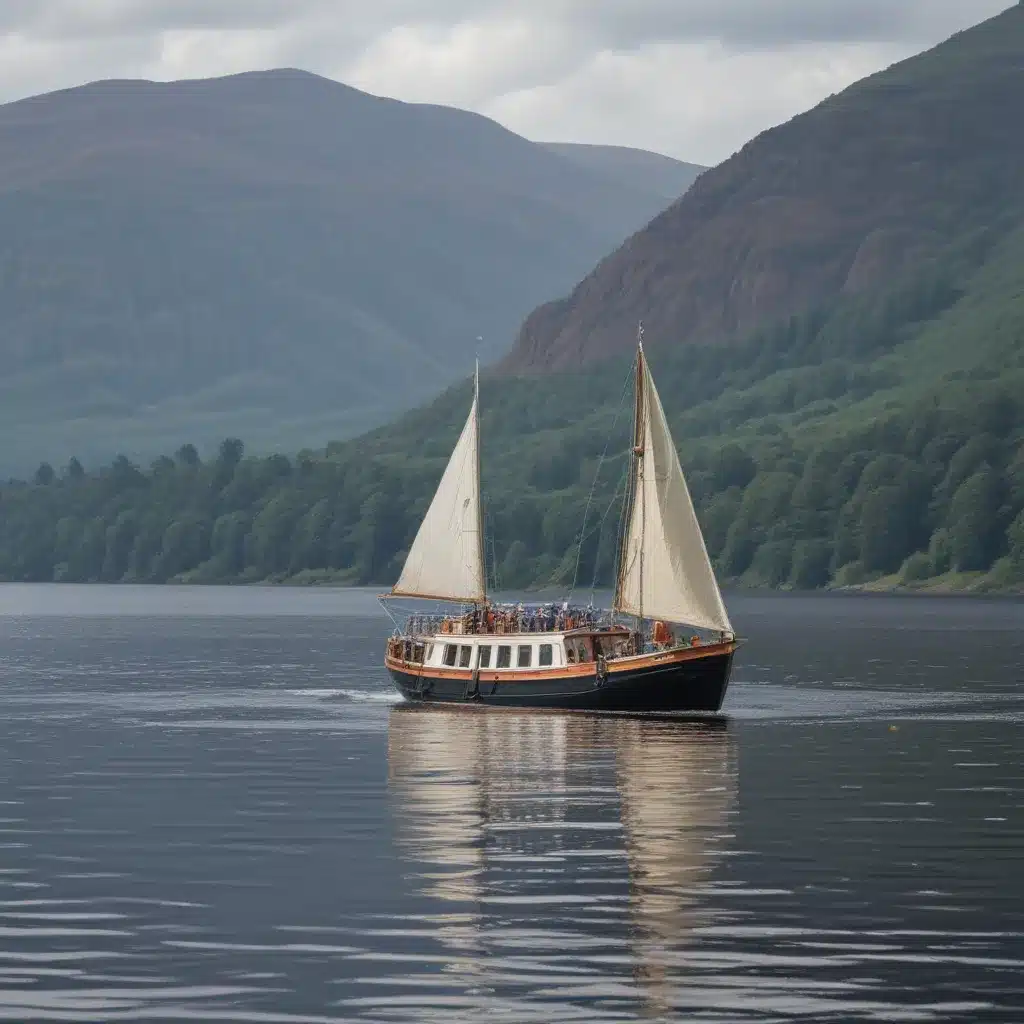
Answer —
553 843
676 793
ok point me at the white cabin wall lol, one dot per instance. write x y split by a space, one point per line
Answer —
435 656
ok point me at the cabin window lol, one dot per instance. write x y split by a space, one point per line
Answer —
546 655
582 654
451 652
504 656
417 653
570 653
430 652
525 656
465 653
485 657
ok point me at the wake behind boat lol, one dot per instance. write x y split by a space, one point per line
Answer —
557 656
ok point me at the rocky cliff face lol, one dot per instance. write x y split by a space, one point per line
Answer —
835 201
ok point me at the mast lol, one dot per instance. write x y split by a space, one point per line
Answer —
638 458
635 472
480 503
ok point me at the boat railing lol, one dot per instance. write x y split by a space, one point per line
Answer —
604 644
404 648
501 620
613 641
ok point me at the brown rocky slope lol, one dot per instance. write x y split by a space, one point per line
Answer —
836 201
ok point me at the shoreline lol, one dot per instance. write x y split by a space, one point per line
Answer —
939 587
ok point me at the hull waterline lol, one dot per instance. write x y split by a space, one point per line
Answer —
652 684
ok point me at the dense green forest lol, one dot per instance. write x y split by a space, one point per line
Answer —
881 437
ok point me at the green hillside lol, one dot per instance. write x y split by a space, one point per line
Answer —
848 444
865 435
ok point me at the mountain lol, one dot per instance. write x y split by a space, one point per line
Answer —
868 185
270 254
851 414
662 175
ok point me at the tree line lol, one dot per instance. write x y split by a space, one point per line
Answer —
831 448
921 493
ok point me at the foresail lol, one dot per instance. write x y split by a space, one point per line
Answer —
665 571
446 560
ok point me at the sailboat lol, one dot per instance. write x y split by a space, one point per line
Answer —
666 645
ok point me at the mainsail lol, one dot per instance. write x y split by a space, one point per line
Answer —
664 569
446 558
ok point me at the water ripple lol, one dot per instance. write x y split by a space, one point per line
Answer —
228 818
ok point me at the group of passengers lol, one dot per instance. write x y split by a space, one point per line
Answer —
549 618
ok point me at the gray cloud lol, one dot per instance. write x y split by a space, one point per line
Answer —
692 77
760 23
623 22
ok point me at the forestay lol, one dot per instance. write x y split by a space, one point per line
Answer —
665 571
446 558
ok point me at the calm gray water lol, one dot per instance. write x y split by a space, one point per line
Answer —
211 809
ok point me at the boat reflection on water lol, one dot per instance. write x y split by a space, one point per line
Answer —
568 853
676 790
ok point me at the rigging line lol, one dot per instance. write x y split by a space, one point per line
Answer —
600 526
494 565
600 530
387 611
489 537
612 497
593 486
623 531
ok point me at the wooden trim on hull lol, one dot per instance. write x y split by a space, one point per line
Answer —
658 682
584 670
675 656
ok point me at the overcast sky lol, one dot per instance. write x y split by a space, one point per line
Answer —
691 78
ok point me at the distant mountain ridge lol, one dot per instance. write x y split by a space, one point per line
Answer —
663 175
273 255
837 202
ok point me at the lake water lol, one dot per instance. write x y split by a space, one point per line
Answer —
212 809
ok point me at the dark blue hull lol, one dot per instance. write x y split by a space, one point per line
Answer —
697 685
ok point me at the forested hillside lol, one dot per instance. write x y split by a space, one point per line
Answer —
873 436
852 443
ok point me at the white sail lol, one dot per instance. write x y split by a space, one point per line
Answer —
665 572
446 558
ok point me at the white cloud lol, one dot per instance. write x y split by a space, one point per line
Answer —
698 101
694 78
468 64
